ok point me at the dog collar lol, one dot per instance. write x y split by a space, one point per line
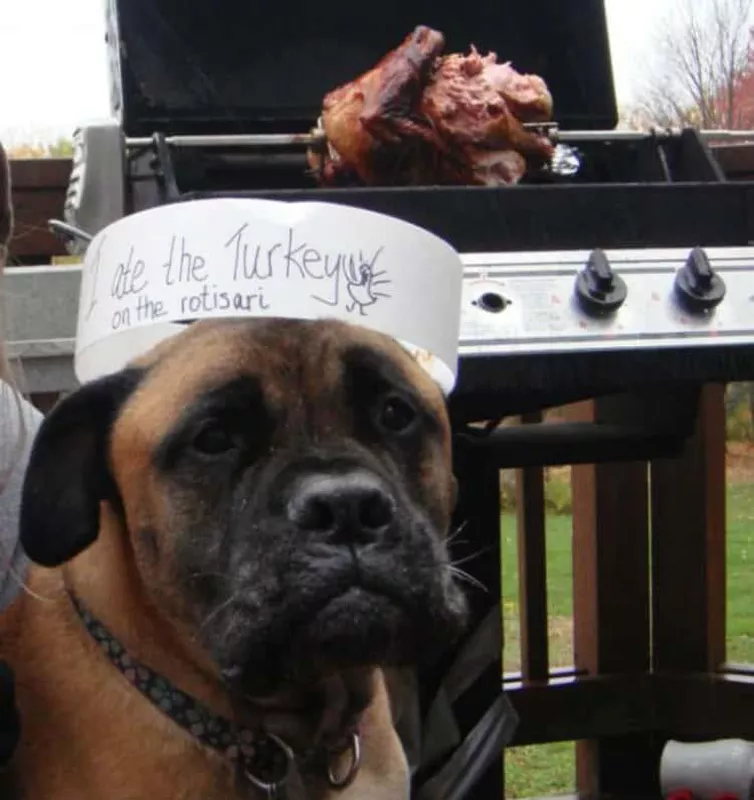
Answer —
263 759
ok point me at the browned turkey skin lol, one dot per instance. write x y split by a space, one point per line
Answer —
421 118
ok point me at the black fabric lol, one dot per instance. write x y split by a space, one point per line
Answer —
10 724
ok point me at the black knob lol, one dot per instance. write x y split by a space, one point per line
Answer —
697 285
598 289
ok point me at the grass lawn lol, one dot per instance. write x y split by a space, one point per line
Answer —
549 769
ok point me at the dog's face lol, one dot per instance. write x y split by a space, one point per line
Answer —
287 490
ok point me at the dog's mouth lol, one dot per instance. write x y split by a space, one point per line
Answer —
356 590
354 621
359 600
353 625
356 618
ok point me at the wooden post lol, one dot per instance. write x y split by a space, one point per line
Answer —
688 547
611 604
532 568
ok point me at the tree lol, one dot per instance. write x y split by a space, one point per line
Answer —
704 71
62 148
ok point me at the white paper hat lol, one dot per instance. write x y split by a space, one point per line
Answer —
146 274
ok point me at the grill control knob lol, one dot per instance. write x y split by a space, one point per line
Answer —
697 286
598 289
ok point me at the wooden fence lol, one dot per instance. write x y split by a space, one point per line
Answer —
648 582
39 187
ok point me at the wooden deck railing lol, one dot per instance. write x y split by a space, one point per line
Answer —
39 187
648 583
649 605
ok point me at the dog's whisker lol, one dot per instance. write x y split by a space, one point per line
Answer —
458 543
451 537
217 610
41 598
462 575
482 551
24 587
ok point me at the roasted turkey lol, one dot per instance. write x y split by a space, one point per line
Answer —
420 118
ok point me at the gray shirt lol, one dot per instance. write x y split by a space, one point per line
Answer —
19 422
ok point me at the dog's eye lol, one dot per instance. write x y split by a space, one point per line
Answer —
396 415
213 438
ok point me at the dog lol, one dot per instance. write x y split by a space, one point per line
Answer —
239 545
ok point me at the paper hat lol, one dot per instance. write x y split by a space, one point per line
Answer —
145 275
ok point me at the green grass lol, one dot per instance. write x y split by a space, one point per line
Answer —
549 769
740 577
545 769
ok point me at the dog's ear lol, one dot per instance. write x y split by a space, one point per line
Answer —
68 472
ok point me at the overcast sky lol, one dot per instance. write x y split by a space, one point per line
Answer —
53 73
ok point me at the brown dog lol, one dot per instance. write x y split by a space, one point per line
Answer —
240 533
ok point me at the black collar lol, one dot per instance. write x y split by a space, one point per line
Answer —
263 759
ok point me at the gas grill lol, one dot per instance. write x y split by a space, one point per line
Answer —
624 270
209 104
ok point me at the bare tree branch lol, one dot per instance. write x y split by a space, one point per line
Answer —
703 53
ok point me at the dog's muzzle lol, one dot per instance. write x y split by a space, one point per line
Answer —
334 567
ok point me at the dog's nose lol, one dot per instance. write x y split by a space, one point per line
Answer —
352 507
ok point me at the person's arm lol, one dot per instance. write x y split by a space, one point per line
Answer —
19 421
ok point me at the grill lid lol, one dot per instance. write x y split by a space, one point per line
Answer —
226 66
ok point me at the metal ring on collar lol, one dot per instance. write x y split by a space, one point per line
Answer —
347 779
272 787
